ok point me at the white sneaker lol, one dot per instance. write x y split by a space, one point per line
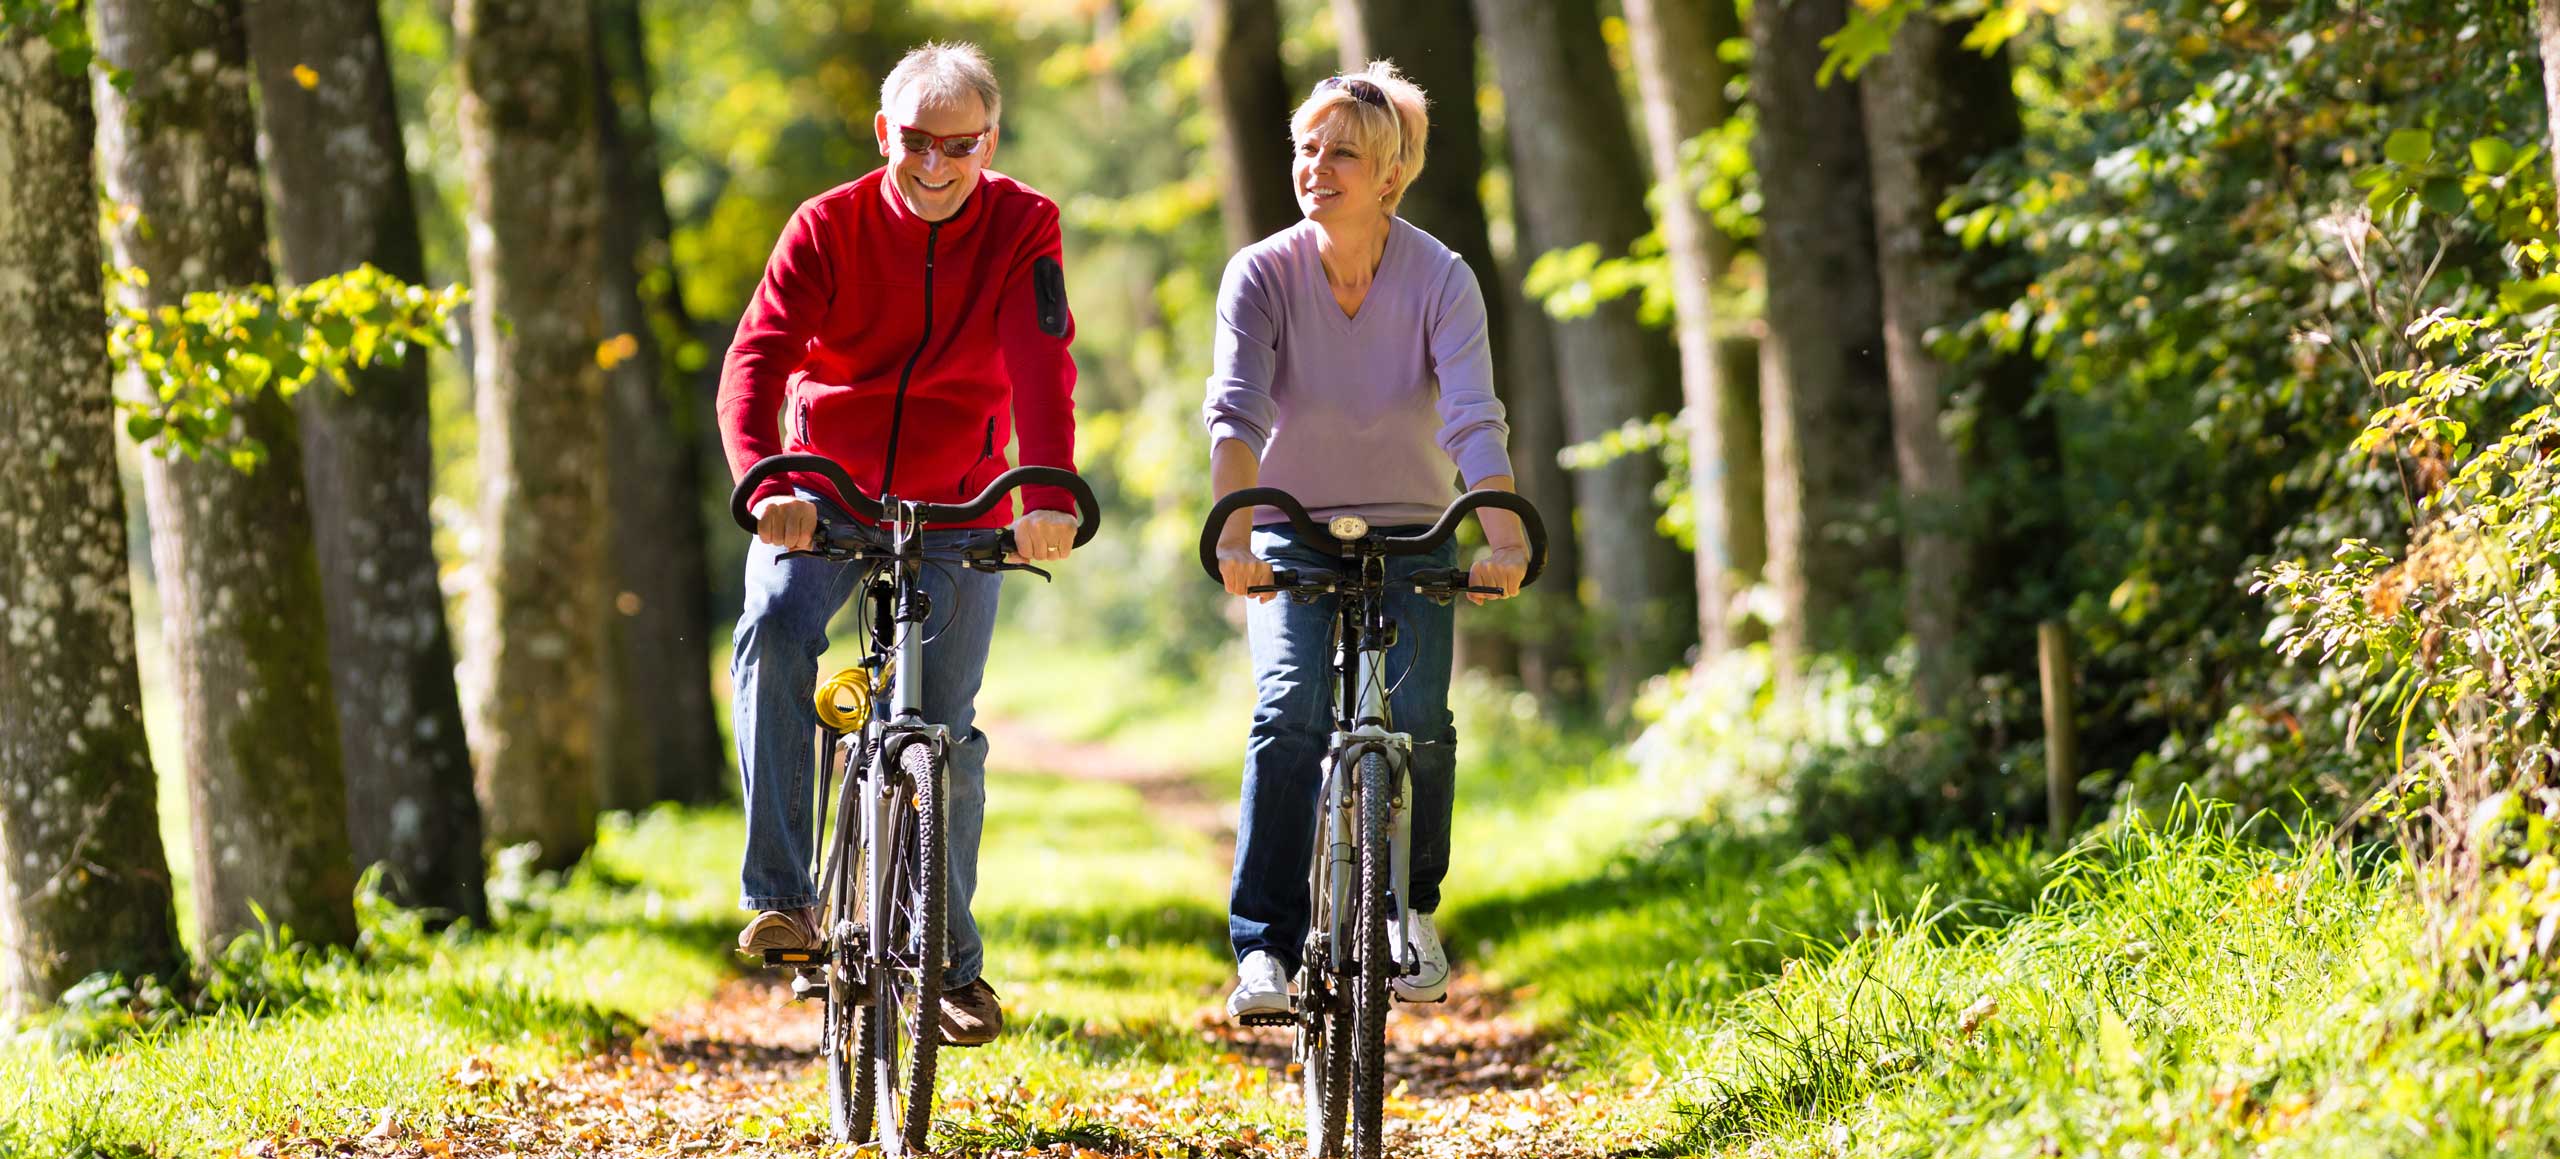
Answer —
1262 987
1428 978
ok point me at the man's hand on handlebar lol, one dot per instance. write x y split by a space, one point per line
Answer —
790 522
1501 567
1242 571
1042 536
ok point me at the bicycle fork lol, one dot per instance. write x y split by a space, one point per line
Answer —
1368 736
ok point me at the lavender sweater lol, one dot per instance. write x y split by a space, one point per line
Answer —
1362 416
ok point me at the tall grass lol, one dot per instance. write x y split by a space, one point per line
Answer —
331 1040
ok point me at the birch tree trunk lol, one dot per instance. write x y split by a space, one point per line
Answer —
1824 408
537 608
663 744
84 882
1239 50
239 578
1579 180
339 180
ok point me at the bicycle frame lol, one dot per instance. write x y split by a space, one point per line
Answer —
1362 635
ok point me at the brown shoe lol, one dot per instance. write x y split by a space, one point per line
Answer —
971 1016
780 930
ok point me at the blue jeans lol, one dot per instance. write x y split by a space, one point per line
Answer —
1293 724
781 634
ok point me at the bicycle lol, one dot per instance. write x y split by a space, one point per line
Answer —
878 966
1360 875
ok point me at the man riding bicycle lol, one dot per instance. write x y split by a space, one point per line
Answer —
910 324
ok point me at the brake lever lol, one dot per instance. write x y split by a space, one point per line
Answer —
992 566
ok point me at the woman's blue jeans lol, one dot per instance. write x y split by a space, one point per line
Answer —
781 633
1292 647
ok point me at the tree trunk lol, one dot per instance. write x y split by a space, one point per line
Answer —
1239 50
1579 179
1550 625
84 883
339 180
537 610
239 579
1824 409
1683 81
1935 112
663 743
1433 42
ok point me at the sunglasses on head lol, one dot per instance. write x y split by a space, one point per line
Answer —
953 145
1361 89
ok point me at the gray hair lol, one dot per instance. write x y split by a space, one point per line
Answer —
945 72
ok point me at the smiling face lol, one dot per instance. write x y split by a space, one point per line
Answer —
933 185
1336 180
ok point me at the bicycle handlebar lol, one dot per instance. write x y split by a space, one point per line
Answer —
1088 512
1430 540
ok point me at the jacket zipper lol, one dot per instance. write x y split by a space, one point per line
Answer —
898 409
961 488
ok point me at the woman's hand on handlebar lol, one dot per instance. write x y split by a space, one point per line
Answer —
1042 536
787 522
1500 567
1242 571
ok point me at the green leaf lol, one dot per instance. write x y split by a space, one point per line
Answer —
2526 297
2491 155
2444 195
2409 146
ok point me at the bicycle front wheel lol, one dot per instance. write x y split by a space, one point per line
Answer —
906 953
1373 968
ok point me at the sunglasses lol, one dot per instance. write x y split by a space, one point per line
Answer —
1361 89
953 145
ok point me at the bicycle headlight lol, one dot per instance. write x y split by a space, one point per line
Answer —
1348 527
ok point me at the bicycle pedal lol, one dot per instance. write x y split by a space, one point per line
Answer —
807 985
1269 1018
796 959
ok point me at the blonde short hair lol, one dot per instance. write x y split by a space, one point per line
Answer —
944 72
1392 135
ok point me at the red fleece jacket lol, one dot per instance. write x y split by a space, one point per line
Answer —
862 301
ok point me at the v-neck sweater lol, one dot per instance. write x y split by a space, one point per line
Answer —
1362 414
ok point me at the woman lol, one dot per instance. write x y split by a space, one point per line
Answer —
1351 371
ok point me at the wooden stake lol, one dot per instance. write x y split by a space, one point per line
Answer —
2061 736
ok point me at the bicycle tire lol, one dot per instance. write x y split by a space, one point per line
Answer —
906 960
1372 967
1324 1057
844 1030
850 1101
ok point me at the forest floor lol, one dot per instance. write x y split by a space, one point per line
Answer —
1108 1054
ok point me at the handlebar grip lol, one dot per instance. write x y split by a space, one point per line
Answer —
1235 501
1088 510
743 495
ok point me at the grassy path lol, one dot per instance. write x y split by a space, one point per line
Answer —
1100 901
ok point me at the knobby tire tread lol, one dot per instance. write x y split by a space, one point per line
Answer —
1369 983
923 770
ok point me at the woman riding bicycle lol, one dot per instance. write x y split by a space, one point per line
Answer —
1352 371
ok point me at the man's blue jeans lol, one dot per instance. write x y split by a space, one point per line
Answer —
1293 724
781 634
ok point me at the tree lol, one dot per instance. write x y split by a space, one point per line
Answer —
1433 43
1826 421
663 743
535 620
232 550
84 883
1578 180
1683 80
1983 524
339 181
1239 50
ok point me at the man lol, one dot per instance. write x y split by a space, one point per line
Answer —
909 325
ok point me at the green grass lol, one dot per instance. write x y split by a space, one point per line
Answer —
329 1041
